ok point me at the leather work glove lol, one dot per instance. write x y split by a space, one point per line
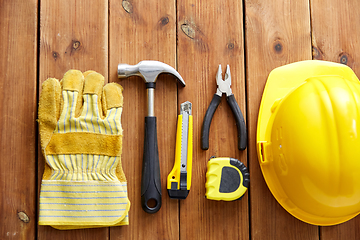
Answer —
81 138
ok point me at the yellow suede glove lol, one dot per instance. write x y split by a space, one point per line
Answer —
81 138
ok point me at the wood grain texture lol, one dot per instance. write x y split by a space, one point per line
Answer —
194 37
211 33
73 35
146 31
335 37
335 34
277 33
18 37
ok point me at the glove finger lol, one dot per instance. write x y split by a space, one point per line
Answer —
73 80
88 72
112 96
112 105
49 109
93 86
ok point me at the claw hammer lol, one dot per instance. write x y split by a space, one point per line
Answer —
150 181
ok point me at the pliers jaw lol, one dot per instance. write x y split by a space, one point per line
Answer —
224 86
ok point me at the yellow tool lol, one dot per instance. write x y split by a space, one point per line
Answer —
227 179
179 179
308 140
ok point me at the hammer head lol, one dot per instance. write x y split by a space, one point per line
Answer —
148 70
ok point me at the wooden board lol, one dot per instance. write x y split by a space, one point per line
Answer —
335 34
146 31
18 37
194 37
335 37
277 33
211 33
73 35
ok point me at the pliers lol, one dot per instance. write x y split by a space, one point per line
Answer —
224 87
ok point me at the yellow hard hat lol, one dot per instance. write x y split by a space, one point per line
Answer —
308 140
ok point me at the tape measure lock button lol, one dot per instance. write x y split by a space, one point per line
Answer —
227 179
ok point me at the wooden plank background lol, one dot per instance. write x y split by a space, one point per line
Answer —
272 41
72 36
18 91
138 32
41 39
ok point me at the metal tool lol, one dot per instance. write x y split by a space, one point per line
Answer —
179 179
224 86
150 182
227 179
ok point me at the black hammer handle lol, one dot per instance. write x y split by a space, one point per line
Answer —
150 182
207 121
240 122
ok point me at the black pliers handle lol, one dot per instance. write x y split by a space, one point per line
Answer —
224 86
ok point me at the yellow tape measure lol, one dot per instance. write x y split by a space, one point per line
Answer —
227 179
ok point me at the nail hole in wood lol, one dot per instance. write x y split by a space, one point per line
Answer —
344 59
55 55
278 47
76 45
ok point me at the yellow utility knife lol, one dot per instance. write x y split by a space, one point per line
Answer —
227 179
179 179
